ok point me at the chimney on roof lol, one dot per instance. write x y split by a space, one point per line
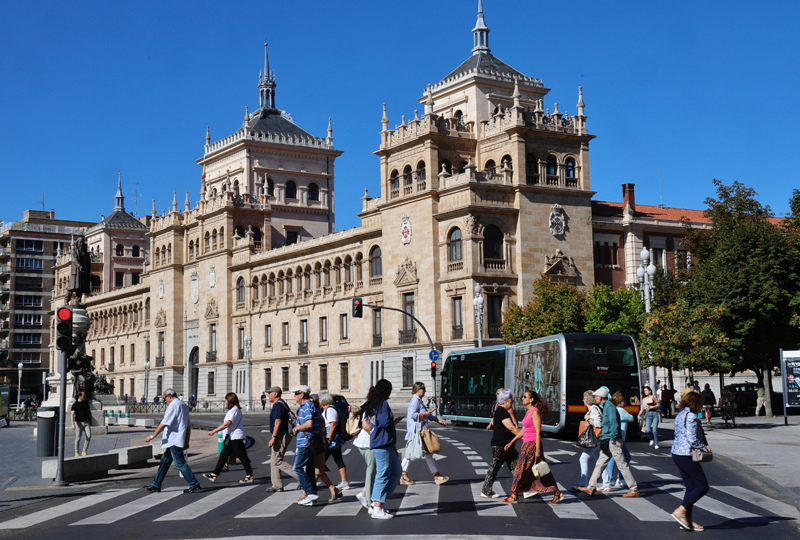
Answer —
628 196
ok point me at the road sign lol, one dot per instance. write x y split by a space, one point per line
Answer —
434 356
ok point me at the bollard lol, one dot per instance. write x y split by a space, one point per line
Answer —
127 414
220 440
105 414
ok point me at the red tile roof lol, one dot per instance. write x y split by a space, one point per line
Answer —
612 209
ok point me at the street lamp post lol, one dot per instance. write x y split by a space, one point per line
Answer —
647 273
146 378
477 303
19 385
248 353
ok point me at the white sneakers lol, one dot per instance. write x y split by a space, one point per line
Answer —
656 447
363 500
343 485
652 443
308 501
492 496
380 513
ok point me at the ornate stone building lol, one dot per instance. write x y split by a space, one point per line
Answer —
252 286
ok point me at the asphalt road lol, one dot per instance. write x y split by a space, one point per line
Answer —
736 507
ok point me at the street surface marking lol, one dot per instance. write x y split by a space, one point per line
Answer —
206 504
346 452
643 509
481 471
274 504
549 455
714 506
420 499
437 457
62 510
127 510
474 458
767 503
469 452
491 507
479 464
571 507
668 477
348 506
642 468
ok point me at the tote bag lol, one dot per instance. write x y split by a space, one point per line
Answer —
431 441
415 449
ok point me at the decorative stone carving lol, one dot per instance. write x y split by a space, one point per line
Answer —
471 225
560 268
557 220
405 229
212 277
160 289
194 287
212 312
406 273
161 319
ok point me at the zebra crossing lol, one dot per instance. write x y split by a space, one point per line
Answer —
421 499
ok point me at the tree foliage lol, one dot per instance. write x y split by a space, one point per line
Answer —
620 312
555 309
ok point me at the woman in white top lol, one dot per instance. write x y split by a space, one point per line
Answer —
418 412
234 442
361 441
594 416
334 441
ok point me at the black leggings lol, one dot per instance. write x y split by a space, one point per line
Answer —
694 479
337 456
238 449
499 456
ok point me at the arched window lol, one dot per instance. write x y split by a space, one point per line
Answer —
407 176
375 266
394 180
455 245
256 234
169 253
255 288
158 256
552 166
208 241
240 290
270 187
313 192
135 251
214 239
462 166
289 283
490 166
147 310
191 249
120 250
492 243
236 188
291 190
569 168
421 171
222 237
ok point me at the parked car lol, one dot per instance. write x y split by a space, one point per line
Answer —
745 396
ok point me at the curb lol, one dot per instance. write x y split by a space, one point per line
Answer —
789 494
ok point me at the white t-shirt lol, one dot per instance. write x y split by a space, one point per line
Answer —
236 429
362 439
330 415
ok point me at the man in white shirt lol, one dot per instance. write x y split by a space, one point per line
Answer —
176 429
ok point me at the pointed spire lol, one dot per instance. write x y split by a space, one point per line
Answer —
208 136
516 94
187 205
266 83
153 211
246 123
581 104
174 201
480 33
385 119
119 200
330 131
429 101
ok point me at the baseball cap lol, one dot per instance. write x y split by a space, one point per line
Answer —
276 389
602 392
304 389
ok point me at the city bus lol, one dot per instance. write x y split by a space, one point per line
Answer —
559 368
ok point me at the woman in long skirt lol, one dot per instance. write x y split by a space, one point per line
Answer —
531 453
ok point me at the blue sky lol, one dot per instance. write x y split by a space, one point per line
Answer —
690 90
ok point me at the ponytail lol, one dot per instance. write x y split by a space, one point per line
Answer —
538 402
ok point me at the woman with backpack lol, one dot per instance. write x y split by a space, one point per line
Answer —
418 412
335 441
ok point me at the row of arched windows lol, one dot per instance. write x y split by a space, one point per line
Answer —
120 318
323 274
408 175
492 244
120 251
164 255
291 190
551 166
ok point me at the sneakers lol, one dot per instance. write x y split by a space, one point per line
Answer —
308 500
274 489
152 489
406 481
192 489
370 510
492 495
84 453
440 479
631 494
619 483
656 447
380 513
343 485
588 491
363 500
652 443
604 489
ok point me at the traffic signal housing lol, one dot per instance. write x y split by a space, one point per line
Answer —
433 370
64 329
358 308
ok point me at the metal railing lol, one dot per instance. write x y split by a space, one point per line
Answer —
211 356
302 347
458 331
377 340
408 336
159 361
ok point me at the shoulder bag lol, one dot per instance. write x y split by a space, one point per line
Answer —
353 424
415 450
540 468
588 437
698 455
431 441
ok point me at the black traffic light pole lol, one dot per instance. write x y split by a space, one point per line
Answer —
64 346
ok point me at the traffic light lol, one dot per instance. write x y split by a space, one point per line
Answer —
358 308
64 329
433 370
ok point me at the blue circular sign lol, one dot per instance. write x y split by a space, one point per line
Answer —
434 356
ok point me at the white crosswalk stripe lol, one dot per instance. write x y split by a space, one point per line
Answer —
274 504
668 476
491 507
36 518
640 507
642 468
420 499
348 506
207 504
714 506
771 505
132 508
571 507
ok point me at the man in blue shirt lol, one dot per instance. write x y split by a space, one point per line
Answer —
177 430
279 426
307 432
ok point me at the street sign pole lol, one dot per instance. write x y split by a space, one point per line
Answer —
785 391
62 413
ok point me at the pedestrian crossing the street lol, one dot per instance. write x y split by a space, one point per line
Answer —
421 499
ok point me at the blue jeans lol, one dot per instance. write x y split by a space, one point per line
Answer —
387 475
304 469
173 453
612 470
651 426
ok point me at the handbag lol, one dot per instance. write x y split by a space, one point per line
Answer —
540 469
588 438
701 456
226 441
353 424
415 450
431 441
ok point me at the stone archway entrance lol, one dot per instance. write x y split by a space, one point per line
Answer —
194 371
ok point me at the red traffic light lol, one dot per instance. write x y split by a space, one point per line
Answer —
358 302
433 364
64 314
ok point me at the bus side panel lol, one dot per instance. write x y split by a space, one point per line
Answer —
537 367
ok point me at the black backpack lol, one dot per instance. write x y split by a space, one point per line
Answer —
341 426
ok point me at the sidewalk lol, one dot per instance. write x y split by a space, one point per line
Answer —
763 447
21 481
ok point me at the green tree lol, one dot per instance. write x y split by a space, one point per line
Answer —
749 265
620 312
555 309
680 336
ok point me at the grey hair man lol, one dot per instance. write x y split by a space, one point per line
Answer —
176 428
279 427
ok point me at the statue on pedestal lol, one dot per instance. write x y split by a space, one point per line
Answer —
80 365
80 272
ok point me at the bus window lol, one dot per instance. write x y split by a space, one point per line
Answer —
601 356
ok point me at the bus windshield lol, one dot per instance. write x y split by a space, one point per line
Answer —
601 355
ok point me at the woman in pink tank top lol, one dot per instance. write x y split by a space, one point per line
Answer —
531 453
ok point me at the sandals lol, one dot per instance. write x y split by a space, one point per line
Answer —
558 498
405 480
511 499
681 519
247 480
210 476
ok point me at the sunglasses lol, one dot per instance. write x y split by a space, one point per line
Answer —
298 393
